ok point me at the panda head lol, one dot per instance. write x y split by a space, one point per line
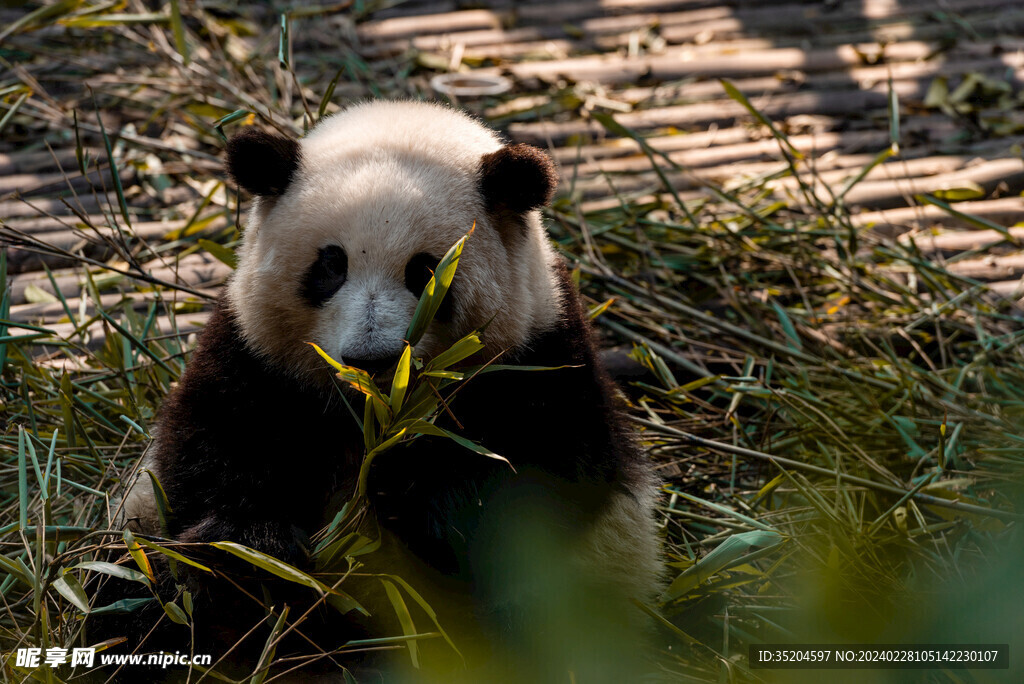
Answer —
349 222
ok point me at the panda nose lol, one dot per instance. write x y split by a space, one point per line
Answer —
372 366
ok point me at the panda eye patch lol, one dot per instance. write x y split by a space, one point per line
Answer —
419 271
325 276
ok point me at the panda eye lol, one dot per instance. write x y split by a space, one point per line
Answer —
419 271
325 276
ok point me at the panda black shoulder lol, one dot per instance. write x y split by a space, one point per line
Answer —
232 415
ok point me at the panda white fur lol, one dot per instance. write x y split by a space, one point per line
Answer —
254 444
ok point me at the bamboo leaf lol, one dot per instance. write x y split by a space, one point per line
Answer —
732 91
787 326
223 121
17 571
328 94
725 555
175 613
880 158
114 571
270 564
69 587
357 378
404 619
164 511
435 291
22 481
269 648
400 380
422 603
474 447
464 348
965 190
122 606
178 29
172 554
138 555
220 252
976 221
38 16
104 20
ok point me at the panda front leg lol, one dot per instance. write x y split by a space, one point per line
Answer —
281 539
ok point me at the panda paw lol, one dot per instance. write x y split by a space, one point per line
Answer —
286 543
282 540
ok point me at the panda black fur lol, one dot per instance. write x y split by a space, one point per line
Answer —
254 445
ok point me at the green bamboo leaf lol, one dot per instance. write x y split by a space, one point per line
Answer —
178 29
137 343
284 42
36 468
464 348
80 152
114 571
404 619
122 606
369 426
966 190
223 121
175 613
364 469
596 311
444 375
358 378
138 555
269 648
415 595
219 252
13 109
49 462
787 327
387 444
614 127
421 403
474 447
328 94
894 116
723 557
114 174
344 604
172 554
22 480
38 16
271 565
436 289
69 587
470 371
164 512
17 571
735 93
400 380
696 384
104 20
418 426
643 354
880 158
725 510
975 221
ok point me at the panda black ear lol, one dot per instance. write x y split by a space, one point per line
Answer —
262 163
517 178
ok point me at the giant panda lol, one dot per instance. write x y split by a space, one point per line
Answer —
534 567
